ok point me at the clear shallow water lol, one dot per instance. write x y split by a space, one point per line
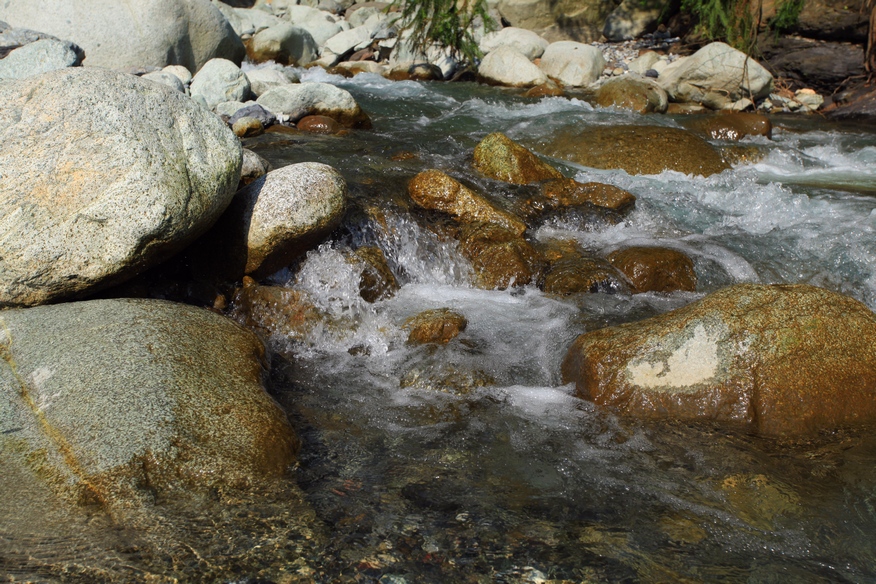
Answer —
471 462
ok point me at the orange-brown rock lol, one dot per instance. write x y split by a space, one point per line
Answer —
639 94
781 360
499 157
573 271
567 192
377 281
637 150
247 127
319 125
273 310
500 257
440 326
549 89
655 269
731 125
432 189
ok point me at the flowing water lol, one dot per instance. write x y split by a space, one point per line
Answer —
472 462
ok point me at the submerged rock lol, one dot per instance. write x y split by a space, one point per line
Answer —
377 281
319 125
440 326
432 189
499 157
572 271
104 175
273 310
787 360
115 401
637 150
655 269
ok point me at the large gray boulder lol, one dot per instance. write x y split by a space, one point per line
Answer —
572 64
265 78
39 57
320 24
524 41
120 35
118 400
716 76
301 99
218 81
284 43
103 175
507 66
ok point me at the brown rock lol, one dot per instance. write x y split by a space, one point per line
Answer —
499 256
572 271
731 126
781 360
549 89
273 310
499 157
247 127
655 269
637 149
440 326
639 94
567 192
319 125
432 189
377 281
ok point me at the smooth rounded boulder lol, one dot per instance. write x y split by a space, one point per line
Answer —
636 149
121 35
312 98
499 157
103 175
218 81
507 66
779 360
39 57
572 64
639 94
115 401
655 269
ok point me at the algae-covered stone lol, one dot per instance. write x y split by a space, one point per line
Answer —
432 189
781 360
499 157
103 175
111 400
637 149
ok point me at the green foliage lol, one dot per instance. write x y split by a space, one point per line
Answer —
447 23
738 21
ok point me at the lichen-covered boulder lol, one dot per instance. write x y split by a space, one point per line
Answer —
499 157
636 149
781 360
112 401
103 176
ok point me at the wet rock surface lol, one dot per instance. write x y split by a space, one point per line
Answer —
499 157
440 326
655 269
781 360
730 126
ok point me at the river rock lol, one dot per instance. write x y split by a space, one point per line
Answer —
572 271
246 21
320 24
731 126
507 66
781 360
123 35
439 326
547 89
631 19
348 41
253 110
572 64
499 157
117 401
181 73
637 149
150 172
640 94
567 192
284 43
265 78
655 269
500 256
525 42
218 81
254 166
273 311
434 190
821 65
558 20
39 57
310 98
377 281
833 20
717 75
319 125
247 127
167 79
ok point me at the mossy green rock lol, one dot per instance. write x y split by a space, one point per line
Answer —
637 150
780 360
111 400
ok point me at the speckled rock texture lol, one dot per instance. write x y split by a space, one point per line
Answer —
655 269
112 401
780 360
283 43
499 256
102 175
301 99
499 157
567 192
145 33
637 150
218 81
284 213
432 189
640 94
39 57
438 326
